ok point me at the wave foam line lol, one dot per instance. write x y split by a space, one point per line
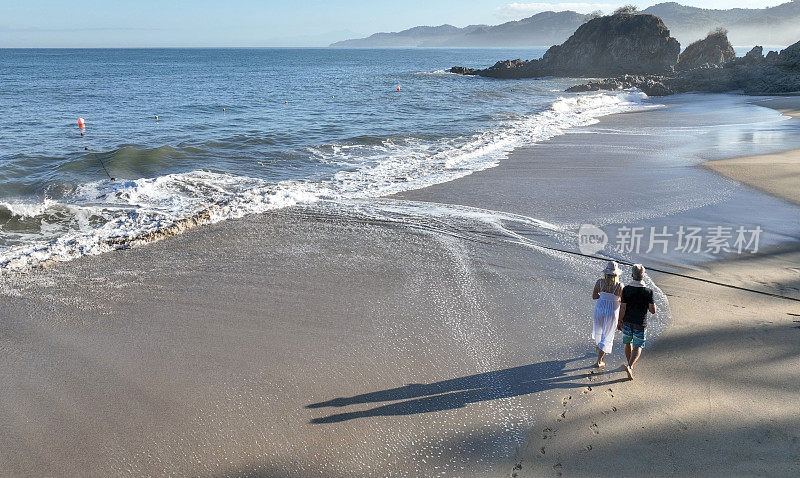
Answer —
123 214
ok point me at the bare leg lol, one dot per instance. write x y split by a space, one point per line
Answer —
600 355
628 352
635 354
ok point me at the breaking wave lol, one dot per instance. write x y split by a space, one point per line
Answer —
104 215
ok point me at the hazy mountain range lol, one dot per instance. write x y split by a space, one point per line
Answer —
779 25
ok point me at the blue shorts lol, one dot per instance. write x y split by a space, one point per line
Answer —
633 334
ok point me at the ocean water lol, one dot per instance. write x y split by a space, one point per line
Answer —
200 135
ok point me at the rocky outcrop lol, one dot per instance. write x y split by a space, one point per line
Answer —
753 57
650 85
605 46
790 57
753 74
713 51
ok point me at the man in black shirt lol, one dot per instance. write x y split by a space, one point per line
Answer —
637 301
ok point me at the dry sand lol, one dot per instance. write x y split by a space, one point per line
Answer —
775 174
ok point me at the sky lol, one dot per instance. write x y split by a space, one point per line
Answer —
243 23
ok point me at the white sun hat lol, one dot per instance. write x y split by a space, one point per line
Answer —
612 268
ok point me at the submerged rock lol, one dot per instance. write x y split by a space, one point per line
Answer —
462 70
605 46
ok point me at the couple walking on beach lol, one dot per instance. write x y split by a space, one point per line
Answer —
621 307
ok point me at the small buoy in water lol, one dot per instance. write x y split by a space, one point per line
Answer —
81 133
332 96
156 117
398 88
113 179
86 148
81 123
223 110
286 102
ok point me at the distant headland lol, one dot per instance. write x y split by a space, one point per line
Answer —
746 26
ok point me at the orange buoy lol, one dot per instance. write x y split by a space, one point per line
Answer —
81 123
398 88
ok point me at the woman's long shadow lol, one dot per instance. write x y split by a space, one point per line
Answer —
458 392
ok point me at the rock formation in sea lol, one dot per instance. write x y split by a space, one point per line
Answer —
605 46
752 74
713 51
637 51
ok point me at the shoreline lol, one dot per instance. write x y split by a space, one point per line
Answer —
698 402
337 339
775 174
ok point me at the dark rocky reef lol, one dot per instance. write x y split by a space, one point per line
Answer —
752 74
713 51
651 85
605 46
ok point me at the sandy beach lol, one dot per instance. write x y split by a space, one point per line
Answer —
431 333
715 396
775 174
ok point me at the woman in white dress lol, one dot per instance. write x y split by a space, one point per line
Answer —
607 293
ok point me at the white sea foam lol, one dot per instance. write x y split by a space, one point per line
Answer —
110 215
23 209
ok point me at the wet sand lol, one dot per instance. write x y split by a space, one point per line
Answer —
788 105
409 336
307 342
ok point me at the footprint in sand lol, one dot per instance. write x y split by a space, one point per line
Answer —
595 428
565 400
557 468
562 416
541 450
588 447
548 433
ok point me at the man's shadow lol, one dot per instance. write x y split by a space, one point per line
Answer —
459 392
